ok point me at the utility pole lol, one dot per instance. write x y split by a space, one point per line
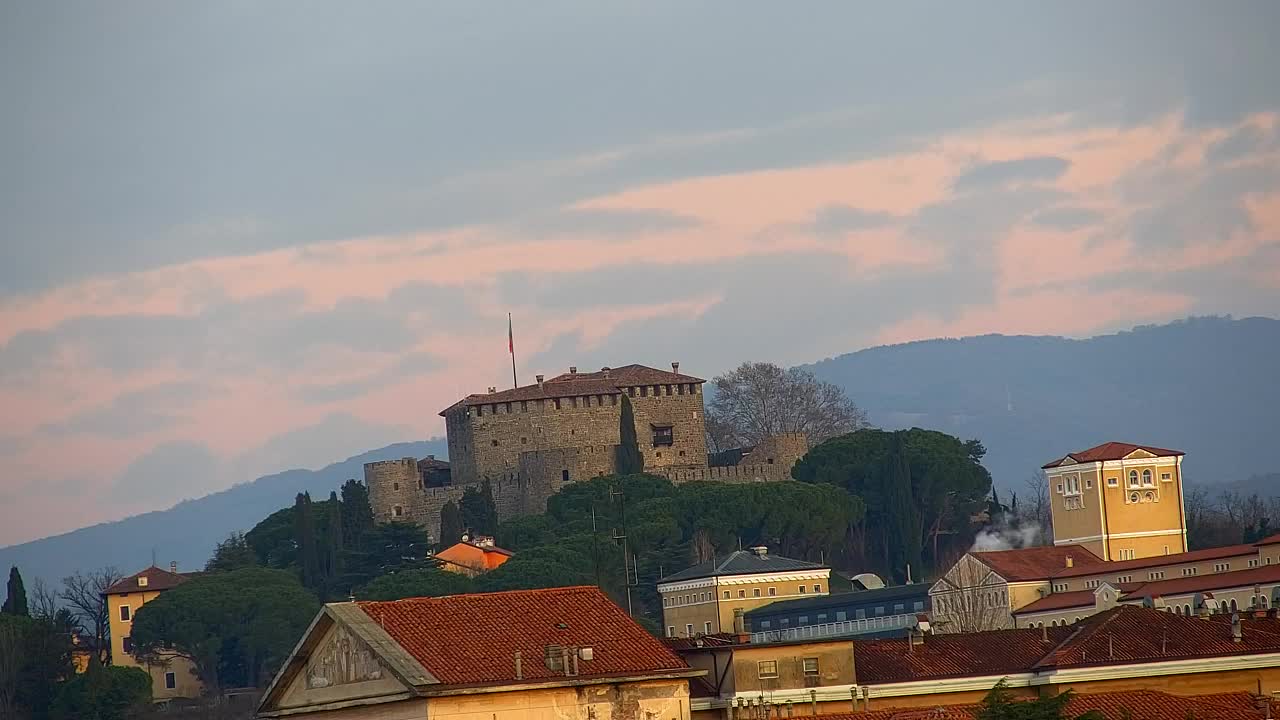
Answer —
595 546
621 534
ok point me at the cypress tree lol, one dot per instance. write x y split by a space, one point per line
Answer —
16 604
305 534
450 525
333 542
902 524
478 510
357 515
629 460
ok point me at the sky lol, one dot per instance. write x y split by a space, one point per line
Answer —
241 237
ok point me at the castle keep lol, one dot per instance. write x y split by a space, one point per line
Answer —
530 441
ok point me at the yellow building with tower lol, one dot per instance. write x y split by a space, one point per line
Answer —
701 600
169 680
1119 501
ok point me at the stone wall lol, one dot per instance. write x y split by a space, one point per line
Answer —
727 474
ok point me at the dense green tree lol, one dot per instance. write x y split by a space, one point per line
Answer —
232 554
629 461
948 486
305 535
35 655
333 547
387 548
357 515
236 627
451 525
479 512
421 582
16 601
1000 704
104 693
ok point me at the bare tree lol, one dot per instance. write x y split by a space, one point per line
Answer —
84 596
44 601
970 598
1035 509
758 400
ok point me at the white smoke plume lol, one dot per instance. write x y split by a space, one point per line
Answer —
1006 537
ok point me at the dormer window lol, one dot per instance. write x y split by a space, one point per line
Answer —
142 581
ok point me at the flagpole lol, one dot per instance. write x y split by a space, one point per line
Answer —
511 345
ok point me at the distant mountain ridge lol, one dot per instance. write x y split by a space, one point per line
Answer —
187 532
1207 386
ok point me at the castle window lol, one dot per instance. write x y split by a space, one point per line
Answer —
631 391
479 410
508 407
524 406
524 440
395 486
575 401
659 453
613 399
668 390
662 435
681 453
1146 477
644 391
564 476
680 389
397 511
557 403
495 442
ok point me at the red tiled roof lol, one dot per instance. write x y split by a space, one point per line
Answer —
579 384
948 655
1111 451
1036 563
1128 634
1156 561
1064 600
1210 582
1268 540
472 639
1125 705
157 580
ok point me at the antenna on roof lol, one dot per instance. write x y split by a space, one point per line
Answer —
153 556
621 534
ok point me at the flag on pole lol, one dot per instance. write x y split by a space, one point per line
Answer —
511 339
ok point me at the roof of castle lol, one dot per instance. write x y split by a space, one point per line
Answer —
743 562
1111 451
607 381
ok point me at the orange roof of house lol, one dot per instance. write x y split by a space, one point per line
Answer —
1065 600
471 555
1111 451
1123 635
1156 561
472 639
157 579
1124 705
1037 563
1204 583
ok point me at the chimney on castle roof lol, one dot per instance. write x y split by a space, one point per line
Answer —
492 389
573 369
539 378
606 370
1071 561
675 367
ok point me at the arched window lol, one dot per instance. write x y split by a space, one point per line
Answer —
1234 608
1133 478
1146 477
1186 609
1262 601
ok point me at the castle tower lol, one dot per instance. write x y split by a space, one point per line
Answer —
1120 501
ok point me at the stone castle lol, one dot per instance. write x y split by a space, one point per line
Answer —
530 441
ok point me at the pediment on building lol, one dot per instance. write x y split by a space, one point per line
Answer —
1139 454
341 661
1068 460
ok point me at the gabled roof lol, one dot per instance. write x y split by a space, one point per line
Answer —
1036 563
948 655
157 580
1130 634
472 639
743 562
1206 583
1156 561
1123 705
579 384
1111 451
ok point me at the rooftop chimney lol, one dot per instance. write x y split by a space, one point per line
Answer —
1237 634
539 378
675 367
1070 561
173 567
519 665
760 550
740 624
606 370
573 369
492 389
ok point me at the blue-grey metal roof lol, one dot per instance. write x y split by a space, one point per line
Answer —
742 562
858 598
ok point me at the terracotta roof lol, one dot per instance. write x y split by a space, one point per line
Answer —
1131 705
1129 634
1208 582
471 556
471 639
157 579
1064 600
1111 451
1269 540
893 660
579 384
1159 561
1036 563
742 562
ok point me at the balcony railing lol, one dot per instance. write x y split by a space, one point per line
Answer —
835 629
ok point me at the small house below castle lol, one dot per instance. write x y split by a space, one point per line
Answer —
473 556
